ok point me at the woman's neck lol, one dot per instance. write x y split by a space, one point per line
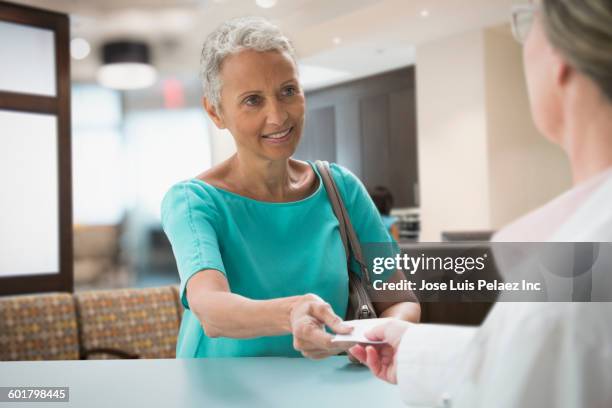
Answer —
272 180
587 135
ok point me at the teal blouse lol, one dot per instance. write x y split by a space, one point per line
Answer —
265 250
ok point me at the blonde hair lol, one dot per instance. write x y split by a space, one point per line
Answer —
582 31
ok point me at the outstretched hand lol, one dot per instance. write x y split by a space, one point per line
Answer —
308 319
381 359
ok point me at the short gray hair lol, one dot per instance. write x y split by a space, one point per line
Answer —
231 37
582 31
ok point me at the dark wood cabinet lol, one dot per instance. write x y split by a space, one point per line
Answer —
368 126
319 122
403 170
376 149
469 314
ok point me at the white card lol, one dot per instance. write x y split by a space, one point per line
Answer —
360 327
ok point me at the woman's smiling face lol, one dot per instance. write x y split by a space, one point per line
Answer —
261 104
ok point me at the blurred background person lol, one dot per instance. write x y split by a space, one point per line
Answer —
383 199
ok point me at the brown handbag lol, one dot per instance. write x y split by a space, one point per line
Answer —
360 305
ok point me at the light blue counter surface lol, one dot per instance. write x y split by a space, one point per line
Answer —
205 383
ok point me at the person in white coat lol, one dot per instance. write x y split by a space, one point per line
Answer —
533 354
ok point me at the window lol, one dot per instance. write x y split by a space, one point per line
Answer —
163 148
35 211
97 156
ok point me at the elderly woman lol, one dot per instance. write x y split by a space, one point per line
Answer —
534 354
262 265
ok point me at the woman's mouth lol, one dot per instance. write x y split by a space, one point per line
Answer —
279 137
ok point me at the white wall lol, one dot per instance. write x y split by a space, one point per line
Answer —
525 169
452 148
481 161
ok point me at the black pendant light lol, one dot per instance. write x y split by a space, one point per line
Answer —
126 65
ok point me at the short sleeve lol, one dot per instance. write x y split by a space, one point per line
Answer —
188 218
367 222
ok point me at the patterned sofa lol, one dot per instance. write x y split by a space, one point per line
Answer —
126 323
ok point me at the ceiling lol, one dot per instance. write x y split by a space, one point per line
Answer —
358 37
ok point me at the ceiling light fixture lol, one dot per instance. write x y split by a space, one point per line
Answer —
424 13
126 65
79 48
336 40
266 3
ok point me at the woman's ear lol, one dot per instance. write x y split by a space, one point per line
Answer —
562 71
212 112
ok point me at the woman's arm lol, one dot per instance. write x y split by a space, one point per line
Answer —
408 311
226 314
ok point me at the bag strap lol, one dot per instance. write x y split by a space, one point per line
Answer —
347 232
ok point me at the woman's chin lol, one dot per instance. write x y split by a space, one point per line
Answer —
277 151
280 154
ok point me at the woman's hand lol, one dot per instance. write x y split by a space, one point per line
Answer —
308 318
381 359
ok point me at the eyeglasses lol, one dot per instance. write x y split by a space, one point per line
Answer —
522 20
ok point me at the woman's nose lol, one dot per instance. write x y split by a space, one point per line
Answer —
276 114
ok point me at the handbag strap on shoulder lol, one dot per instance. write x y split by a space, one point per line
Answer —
347 232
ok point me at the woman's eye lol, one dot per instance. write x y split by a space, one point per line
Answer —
252 100
290 91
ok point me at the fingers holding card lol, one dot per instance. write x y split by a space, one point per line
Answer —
360 328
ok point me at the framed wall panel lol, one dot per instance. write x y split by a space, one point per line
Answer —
35 159
372 122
